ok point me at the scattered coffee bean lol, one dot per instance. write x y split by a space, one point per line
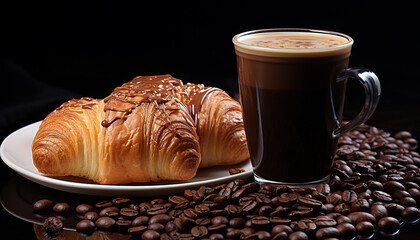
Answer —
105 223
327 232
85 226
62 208
365 229
298 235
388 224
346 230
83 208
93 216
375 181
410 214
42 206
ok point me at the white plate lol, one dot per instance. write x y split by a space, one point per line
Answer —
15 151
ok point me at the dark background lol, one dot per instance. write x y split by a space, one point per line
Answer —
88 49
52 51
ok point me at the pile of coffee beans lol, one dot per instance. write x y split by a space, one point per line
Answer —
374 188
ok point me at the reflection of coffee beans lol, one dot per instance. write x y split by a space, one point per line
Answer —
248 210
53 226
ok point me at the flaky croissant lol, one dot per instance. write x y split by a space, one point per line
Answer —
150 129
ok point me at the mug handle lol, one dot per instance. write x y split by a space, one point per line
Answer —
372 88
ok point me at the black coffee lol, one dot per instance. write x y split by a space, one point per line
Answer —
286 96
281 146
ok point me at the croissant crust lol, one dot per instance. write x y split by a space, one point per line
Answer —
150 129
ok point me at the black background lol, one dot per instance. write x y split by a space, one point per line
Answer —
90 48
52 51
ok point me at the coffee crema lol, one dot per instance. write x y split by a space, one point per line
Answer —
302 44
293 40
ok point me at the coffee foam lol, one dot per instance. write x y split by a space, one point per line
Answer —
292 44
292 40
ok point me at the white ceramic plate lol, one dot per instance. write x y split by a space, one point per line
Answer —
15 151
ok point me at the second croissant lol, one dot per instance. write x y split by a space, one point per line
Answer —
150 129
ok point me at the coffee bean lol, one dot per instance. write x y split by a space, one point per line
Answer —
408 202
327 232
158 227
150 235
309 202
83 208
392 186
298 235
102 205
177 199
349 196
156 210
110 212
62 208
260 235
93 216
281 236
394 209
137 231
379 211
356 217
141 220
323 188
160 218
346 230
216 236
199 231
325 221
249 205
128 213
143 207
260 221
388 224
53 226
410 214
123 224
105 223
360 205
217 228
415 193
400 194
306 225
403 135
381 196
342 208
281 228
296 215
233 210
85 226
365 228
279 220
203 222
374 185
42 206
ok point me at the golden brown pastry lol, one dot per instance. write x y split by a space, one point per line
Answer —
150 129
219 126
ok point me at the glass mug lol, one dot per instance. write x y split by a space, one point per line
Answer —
292 85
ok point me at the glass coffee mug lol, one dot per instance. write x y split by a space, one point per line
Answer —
292 86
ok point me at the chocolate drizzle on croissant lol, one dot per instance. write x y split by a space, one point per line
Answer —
142 89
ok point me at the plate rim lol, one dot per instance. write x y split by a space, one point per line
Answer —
77 186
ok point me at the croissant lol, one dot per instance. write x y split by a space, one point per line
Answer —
150 129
